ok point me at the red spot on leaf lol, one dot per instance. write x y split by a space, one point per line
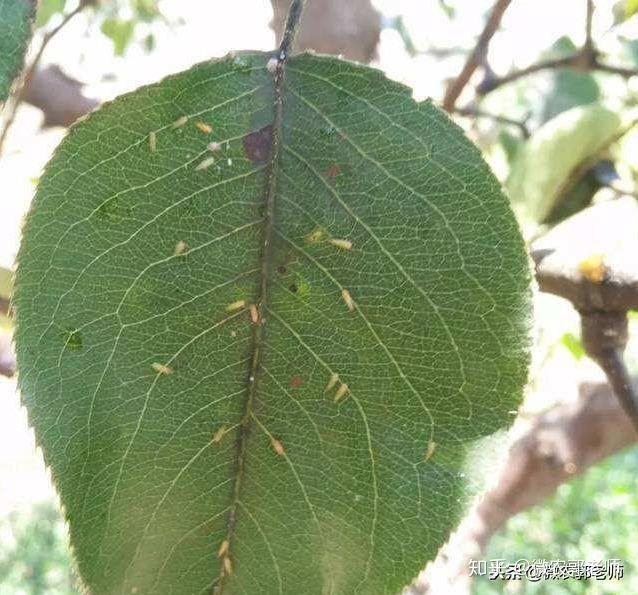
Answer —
296 382
333 171
258 145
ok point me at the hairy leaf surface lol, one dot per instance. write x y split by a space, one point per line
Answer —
15 31
325 440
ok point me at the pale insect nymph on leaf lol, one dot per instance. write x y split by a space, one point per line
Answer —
332 382
203 127
430 450
343 244
152 141
205 164
277 446
234 306
180 122
223 548
254 314
219 434
341 393
347 298
162 369
315 236
180 248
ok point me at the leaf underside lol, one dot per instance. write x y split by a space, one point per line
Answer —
552 160
136 343
15 30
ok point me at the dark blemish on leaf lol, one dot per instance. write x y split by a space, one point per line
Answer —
333 171
72 339
327 131
282 270
258 145
296 382
300 286
114 210
261 210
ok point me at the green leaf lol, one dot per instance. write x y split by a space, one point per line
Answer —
631 8
146 10
46 9
550 162
171 422
15 30
569 89
120 32
574 345
6 283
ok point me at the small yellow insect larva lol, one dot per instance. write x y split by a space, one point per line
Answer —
152 141
214 147
272 65
238 305
203 127
228 566
254 313
334 378
219 434
205 164
315 236
343 244
180 248
223 548
430 450
593 268
229 161
342 391
180 122
161 369
277 446
347 298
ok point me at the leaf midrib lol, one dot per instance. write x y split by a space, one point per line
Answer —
258 330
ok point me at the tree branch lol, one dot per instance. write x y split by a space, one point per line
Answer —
589 40
478 55
290 31
471 112
586 59
582 60
26 77
351 28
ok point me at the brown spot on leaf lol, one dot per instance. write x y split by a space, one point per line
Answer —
258 145
296 382
333 171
